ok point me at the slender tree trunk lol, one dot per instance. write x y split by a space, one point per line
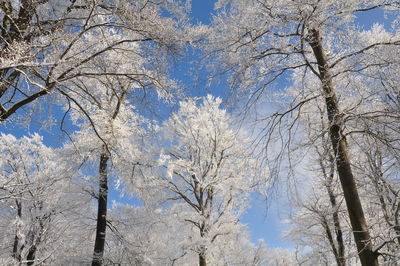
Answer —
359 225
15 253
330 239
101 212
202 253
15 248
338 250
203 231
340 259
383 188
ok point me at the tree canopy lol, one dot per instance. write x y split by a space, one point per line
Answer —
146 171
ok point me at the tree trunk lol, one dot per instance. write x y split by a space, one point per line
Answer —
101 212
339 145
31 256
16 254
340 259
202 253
331 241
202 259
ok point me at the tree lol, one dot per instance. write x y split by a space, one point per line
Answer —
110 131
264 42
36 199
208 172
319 225
377 165
148 235
101 78
319 213
320 216
47 45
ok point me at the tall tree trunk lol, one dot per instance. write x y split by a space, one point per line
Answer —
339 145
16 254
101 212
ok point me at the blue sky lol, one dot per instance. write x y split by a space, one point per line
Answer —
201 10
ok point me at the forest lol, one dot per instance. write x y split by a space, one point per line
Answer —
134 133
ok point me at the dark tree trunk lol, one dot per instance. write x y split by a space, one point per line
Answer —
339 145
340 249
101 212
340 258
31 256
16 253
331 241
205 206
202 259
202 253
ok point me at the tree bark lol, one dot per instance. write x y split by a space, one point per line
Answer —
202 259
101 212
31 256
340 258
204 206
16 254
339 145
203 232
202 253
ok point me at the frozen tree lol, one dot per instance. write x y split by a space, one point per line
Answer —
47 45
147 235
378 167
101 56
320 223
111 134
37 200
320 228
324 58
144 235
208 172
